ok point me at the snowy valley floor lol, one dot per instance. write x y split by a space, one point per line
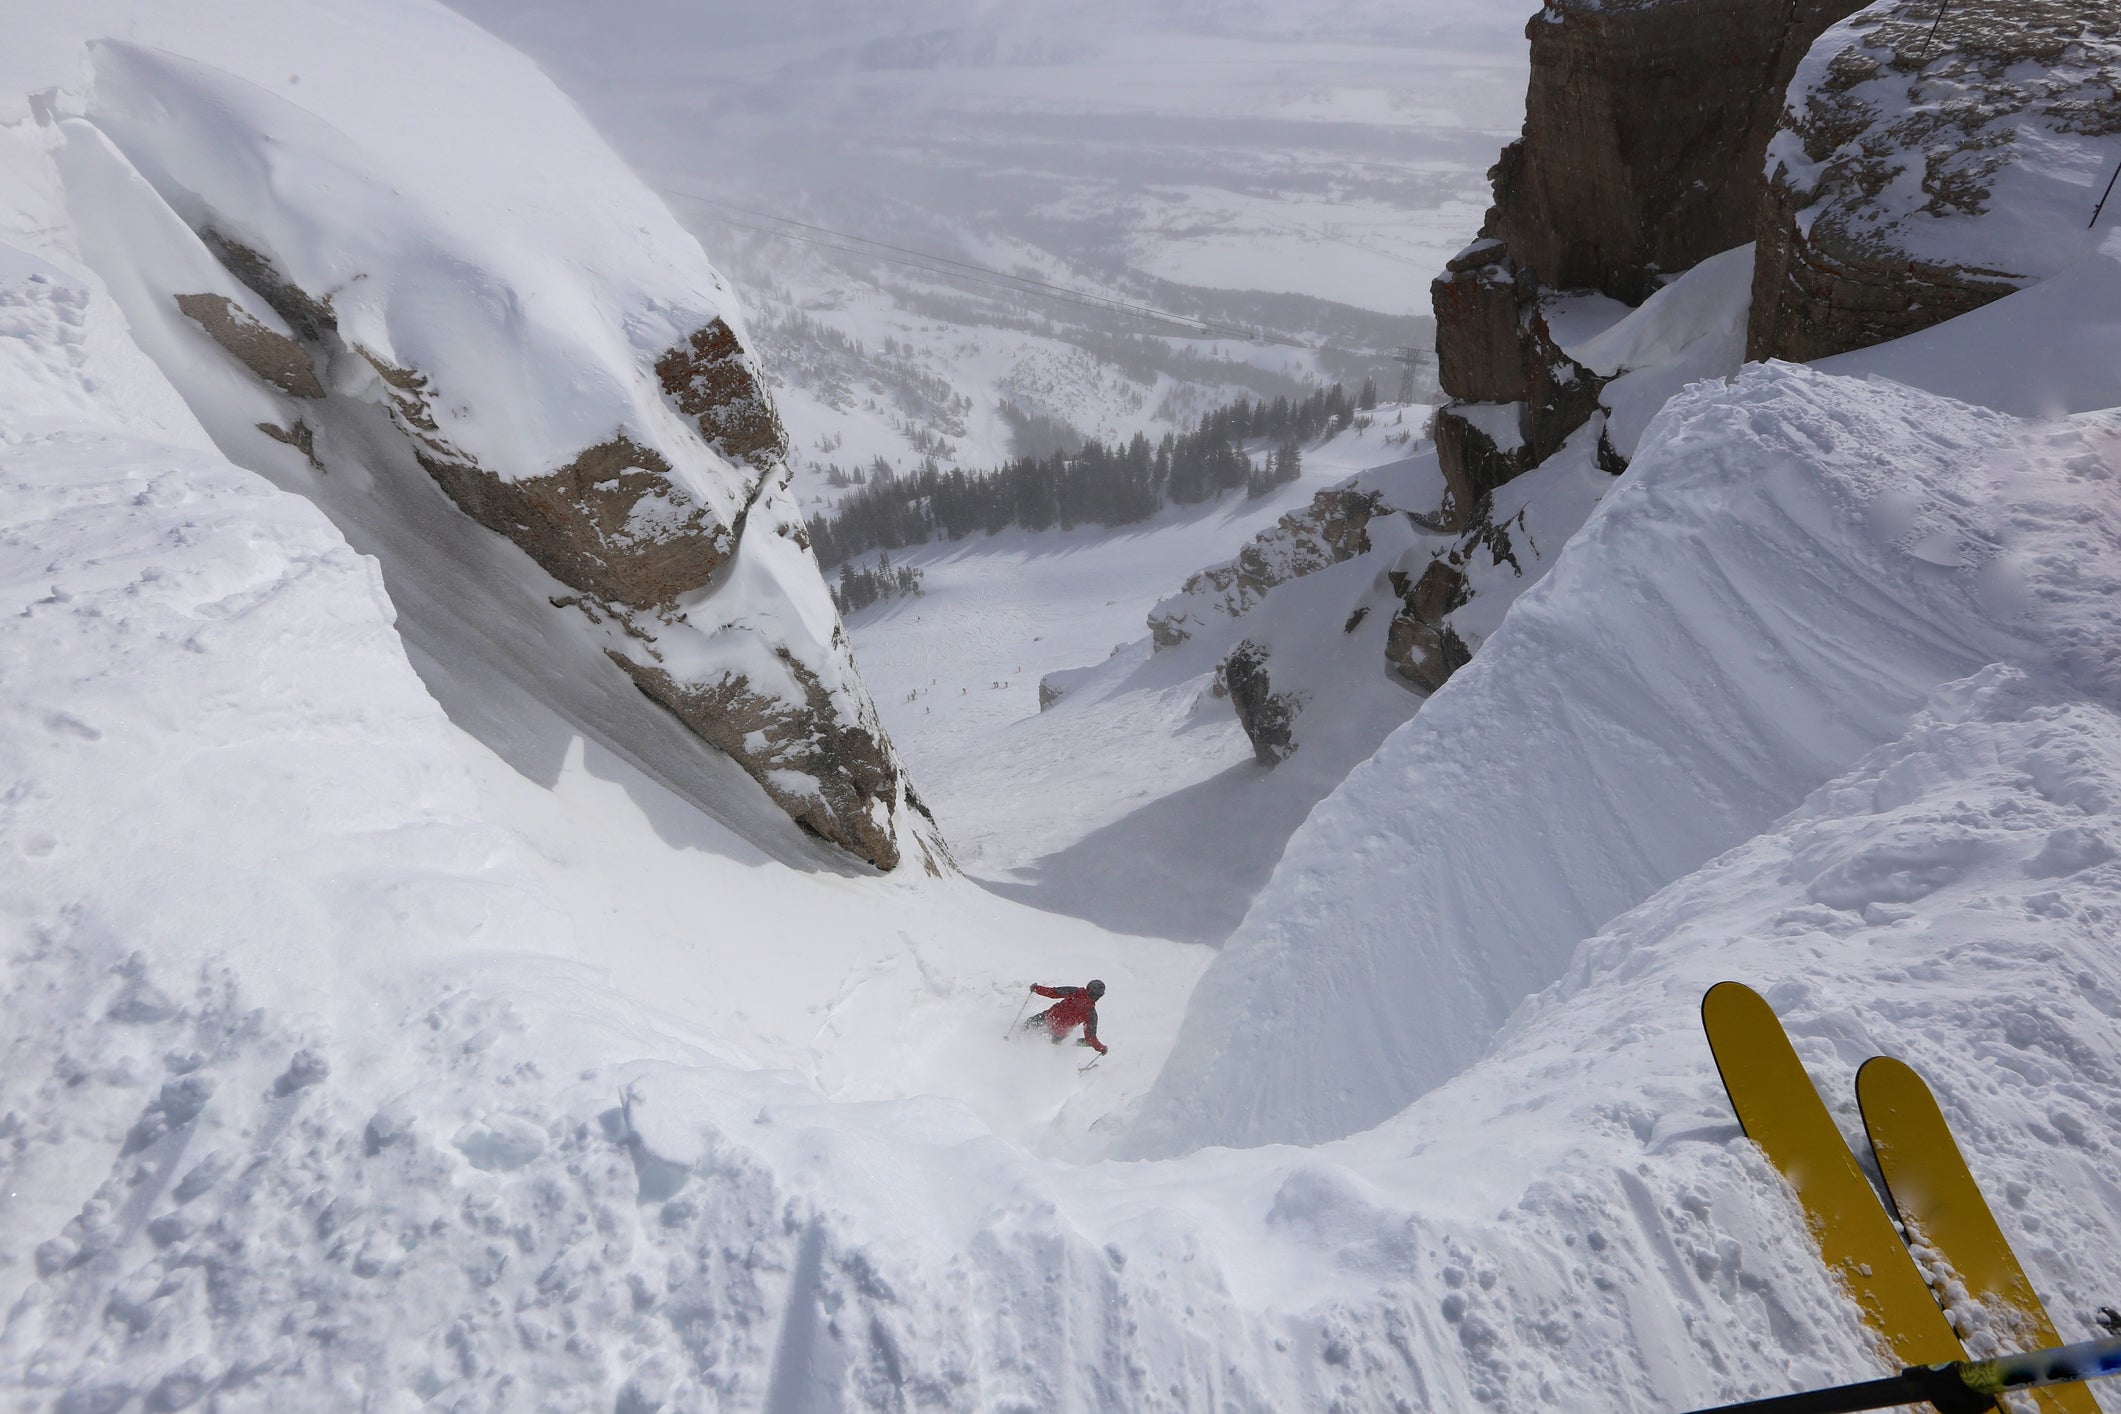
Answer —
1143 810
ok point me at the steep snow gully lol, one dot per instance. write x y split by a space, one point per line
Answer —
347 1065
1792 564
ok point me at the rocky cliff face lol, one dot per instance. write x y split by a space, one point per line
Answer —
618 525
548 346
1645 123
1918 175
1334 528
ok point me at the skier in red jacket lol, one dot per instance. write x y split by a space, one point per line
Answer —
1073 1007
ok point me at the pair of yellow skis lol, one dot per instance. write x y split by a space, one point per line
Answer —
1935 1197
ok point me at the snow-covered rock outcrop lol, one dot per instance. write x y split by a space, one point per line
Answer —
1791 565
337 290
1927 165
1644 127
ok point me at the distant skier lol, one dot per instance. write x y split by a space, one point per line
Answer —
1073 1007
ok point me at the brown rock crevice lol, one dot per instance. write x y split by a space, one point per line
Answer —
1496 350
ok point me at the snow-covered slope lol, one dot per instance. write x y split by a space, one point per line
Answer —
347 1064
304 1106
2042 352
1298 168
355 309
1790 566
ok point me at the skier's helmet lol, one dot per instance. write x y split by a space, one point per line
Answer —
1096 989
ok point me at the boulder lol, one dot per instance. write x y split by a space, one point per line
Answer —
1268 717
622 527
1420 646
1479 446
1478 305
1914 178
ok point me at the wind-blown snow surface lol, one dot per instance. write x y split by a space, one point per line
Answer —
309 1110
2052 349
309 1100
1790 566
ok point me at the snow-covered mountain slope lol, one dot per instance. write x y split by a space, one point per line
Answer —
1134 800
348 1064
1296 168
367 315
1791 565
305 1106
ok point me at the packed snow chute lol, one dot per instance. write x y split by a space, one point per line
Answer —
1936 1203
1956 1387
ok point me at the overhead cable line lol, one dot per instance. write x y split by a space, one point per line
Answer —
847 243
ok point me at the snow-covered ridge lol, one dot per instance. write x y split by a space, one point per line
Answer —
1791 564
341 294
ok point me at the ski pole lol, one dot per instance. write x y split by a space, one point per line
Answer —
1019 1016
2102 200
1960 1387
1942 6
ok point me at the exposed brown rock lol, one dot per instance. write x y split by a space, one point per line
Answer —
302 437
1564 394
1268 717
1815 296
1479 305
1332 529
710 378
617 526
309 316
1837 266
1473 465
1492 340
855 772
1645 126
273 356
1419 645
611 522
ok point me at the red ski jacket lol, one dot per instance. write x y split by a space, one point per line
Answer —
1075 1007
